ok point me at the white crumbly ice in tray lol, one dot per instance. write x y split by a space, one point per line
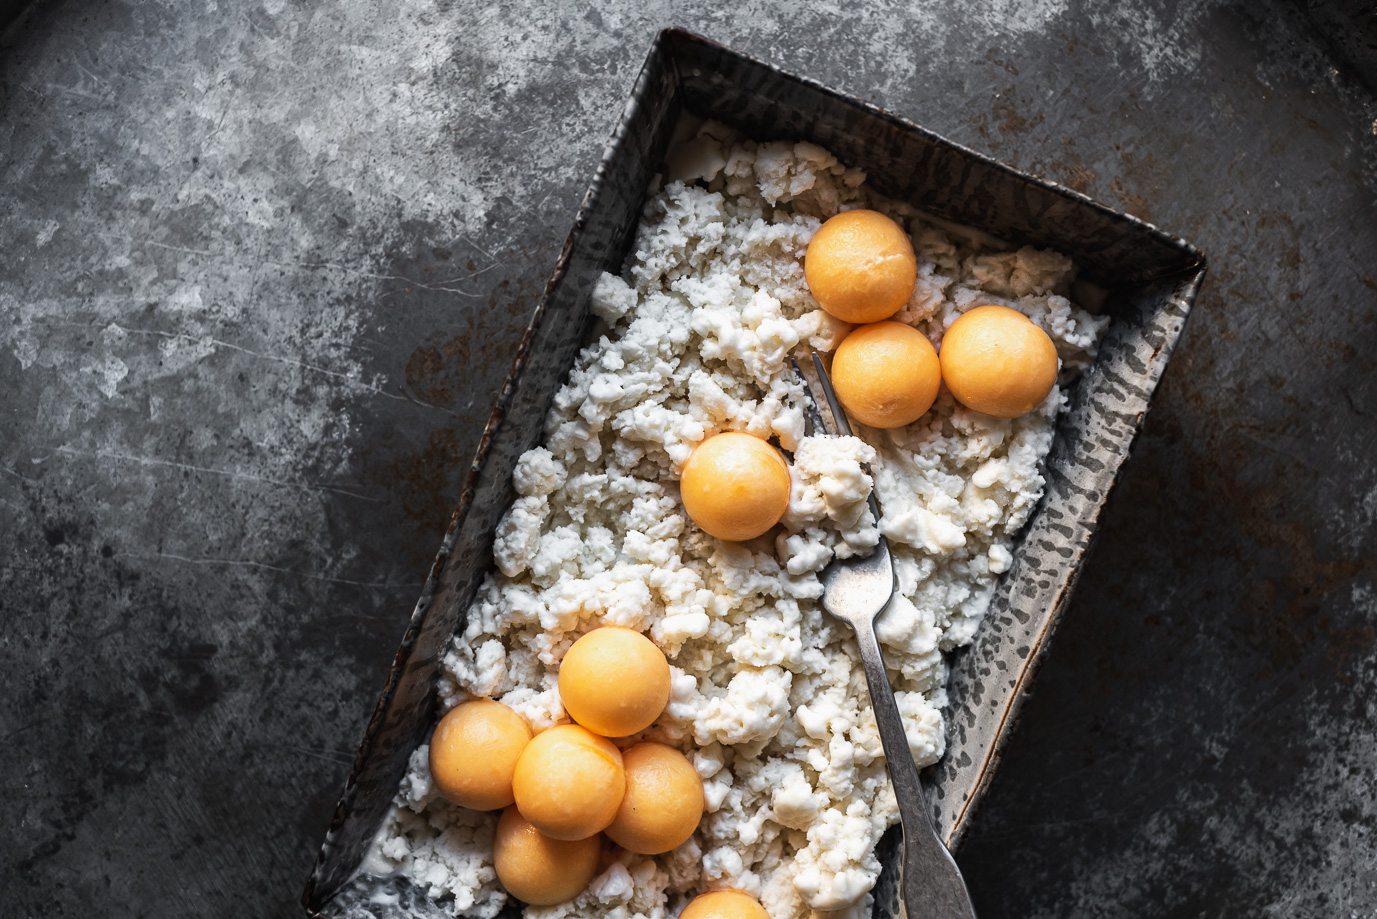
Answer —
768 697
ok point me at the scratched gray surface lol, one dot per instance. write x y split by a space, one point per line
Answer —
262 265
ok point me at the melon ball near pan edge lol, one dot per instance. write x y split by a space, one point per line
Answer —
735 486
724 904
663 802
540 870
886 374
860 266
473 753
614 681
569 782
997 361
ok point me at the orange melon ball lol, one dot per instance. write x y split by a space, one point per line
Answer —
569 782
473 753
724 904
614 681
886 374
995 360
537 869
735 486
860 266
663 801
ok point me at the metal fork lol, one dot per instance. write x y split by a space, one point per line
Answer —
856 590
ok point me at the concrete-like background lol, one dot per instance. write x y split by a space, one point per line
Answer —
263 263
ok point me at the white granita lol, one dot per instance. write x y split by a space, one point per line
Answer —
768 698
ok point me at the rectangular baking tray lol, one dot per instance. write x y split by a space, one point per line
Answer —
1151 278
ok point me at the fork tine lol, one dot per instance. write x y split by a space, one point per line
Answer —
838 416
814 422
843 426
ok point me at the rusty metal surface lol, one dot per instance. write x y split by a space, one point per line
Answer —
263 270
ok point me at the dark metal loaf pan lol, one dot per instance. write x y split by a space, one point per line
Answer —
1152 280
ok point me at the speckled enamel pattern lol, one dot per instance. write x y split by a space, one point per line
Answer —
1152 278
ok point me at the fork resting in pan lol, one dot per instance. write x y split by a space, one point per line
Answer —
856 590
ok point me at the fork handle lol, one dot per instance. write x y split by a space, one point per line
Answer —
930 882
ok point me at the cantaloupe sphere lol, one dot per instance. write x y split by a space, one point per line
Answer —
735 486
473 753
886 374
569 782
537 869
614 681
860 266
997 361
663 801
724 904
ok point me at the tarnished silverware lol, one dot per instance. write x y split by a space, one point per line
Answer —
856 590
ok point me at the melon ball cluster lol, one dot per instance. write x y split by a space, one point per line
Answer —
861 268
562 790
